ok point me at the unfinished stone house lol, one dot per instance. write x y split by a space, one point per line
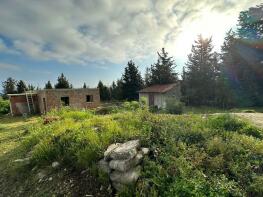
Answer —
157 95
42 101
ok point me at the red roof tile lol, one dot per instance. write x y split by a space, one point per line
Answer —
158 88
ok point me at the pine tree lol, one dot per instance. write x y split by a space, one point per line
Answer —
21 86
48 85
132 82
162 72
9 87
62 82
84 85
200 76
104 91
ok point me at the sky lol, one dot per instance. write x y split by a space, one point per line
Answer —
92 40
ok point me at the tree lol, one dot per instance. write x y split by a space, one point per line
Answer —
21 86
104 91
162 72
84 85
9 87
31 87
116 90
148 77
249 45
201 72
48 85
62 82
241 60
250 23
132 82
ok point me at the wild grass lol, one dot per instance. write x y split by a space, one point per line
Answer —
191 154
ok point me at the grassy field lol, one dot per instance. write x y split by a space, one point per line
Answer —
22 179
191 154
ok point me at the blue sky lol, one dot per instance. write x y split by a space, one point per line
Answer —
93 40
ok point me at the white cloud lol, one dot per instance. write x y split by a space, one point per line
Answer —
6 66
80 31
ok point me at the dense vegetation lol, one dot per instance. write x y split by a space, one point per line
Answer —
190 155
4 106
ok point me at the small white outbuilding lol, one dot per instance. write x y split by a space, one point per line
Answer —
156 95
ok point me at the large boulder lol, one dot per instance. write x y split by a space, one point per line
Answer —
126 178
110 149
125 151
125 165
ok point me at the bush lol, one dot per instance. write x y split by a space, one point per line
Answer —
226 122
4 106
173 106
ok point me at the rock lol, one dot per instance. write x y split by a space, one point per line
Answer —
34 169
55 164
109 150
145 151
126 178
50 179
104 166
84 171
41 175
125 151
25 160
124 165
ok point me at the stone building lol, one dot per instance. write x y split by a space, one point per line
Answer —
43 101
157 95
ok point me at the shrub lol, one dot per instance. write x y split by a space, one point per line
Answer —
226 122
4 106
174 106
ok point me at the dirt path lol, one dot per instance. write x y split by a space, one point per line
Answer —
255 118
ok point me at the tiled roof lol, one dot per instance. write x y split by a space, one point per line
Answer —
158 88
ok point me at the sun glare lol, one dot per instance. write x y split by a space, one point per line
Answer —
209 24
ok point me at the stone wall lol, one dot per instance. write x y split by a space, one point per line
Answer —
77 98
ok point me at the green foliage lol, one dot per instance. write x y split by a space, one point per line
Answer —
48 85
104 91
62 82
9 86
199 78
80 137
162 72
173 106
131 82
21 86
4 106
190 155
